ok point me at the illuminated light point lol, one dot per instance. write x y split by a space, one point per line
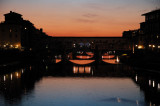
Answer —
117 60
136 45
158 86
17 75
4 78
154 46
92 73
149 82
25 28
11 76
150 45
22 71
46 67
136 78
140 47
153 84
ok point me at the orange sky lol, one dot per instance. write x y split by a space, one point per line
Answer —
81 17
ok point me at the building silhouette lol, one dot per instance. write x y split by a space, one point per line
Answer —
148 35
17 33
151 29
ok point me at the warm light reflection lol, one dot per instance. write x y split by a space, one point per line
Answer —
58 60
82 62
17 74
90 53
117 60
4 78
84 57
108 57
153 83
111 61
140 47
158 86
81 69
11 76
22 71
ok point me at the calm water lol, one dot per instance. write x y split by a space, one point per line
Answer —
74 85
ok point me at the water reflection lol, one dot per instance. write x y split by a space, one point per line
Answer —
82 69
79 85
84 57
82 62
149 84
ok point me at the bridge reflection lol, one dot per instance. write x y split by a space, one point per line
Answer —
82 70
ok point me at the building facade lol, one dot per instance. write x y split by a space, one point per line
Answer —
151 29
17 33
148 36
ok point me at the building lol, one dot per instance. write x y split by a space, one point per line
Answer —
151 29
17 33
10 31
148 36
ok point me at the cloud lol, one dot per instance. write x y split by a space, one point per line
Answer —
85 20
89 15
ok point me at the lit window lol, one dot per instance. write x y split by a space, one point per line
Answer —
140 47
4 45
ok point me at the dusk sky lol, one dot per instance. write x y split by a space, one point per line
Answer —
81 17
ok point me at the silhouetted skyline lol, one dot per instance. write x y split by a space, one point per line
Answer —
82 17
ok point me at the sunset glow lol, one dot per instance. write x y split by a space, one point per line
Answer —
81 17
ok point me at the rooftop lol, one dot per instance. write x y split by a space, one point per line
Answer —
12 13
151 12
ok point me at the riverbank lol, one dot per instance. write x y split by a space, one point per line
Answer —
143 61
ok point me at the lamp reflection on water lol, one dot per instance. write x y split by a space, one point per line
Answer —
11 76
158 86
136 78
153 84
4 78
